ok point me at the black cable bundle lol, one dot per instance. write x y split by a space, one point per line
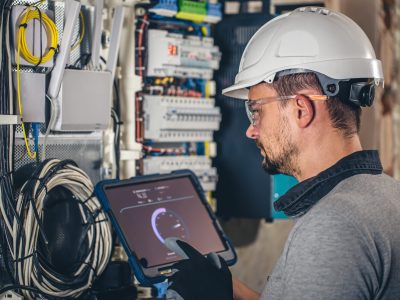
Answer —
117 123
116 116
33 268
6 142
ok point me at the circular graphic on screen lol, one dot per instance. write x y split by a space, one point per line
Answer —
167 223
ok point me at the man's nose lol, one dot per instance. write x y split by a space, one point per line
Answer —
252 132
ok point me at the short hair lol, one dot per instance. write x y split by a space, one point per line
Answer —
344 117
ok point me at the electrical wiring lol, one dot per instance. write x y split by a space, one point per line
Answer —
10 95
32 268
176 151
53 113
30 154
82 33
116 116
32 13
6 142
1 44
20 287
140 47
138 120
117 134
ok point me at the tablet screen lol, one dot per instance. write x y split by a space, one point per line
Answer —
152 211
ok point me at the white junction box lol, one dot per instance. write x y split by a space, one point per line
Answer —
171 54
84 103
33 96
200 165
180 119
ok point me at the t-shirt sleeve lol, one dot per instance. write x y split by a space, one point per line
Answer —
326 258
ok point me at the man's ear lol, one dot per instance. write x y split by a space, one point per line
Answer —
304 111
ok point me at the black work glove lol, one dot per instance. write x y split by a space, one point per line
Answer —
200 278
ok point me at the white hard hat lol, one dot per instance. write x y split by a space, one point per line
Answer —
308 39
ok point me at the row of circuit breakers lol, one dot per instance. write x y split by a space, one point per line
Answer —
182 112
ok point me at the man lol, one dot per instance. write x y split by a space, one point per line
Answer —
304 77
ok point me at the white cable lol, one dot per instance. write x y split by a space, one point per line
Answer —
76 181
50 125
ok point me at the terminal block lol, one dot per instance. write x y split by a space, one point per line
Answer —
200 165
180 119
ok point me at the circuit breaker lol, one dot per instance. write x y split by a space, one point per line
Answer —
180 119
176 113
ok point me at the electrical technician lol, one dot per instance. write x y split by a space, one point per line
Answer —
304 77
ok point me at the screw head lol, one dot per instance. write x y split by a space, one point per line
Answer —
332 88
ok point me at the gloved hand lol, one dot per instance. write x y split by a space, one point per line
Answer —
200 278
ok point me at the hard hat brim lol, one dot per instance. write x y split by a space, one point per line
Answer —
239 90
335 69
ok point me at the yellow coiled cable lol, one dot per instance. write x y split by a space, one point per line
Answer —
30 14
51 31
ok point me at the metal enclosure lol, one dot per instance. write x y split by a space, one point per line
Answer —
243 188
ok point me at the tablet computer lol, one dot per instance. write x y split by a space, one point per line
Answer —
146 210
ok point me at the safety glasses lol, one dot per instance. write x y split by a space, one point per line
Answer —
253 106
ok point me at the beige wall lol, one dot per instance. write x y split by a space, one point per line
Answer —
365 14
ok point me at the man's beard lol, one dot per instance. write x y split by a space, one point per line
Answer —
283 163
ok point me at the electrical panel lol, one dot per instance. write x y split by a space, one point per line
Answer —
172 54
175 109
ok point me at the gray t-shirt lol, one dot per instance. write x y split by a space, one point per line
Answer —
347 246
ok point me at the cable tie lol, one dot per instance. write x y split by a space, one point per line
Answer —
91 267
23 25
42 184
39 62
96 213
90 197
25 257
101 221
92 217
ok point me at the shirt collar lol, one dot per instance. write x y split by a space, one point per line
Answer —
300 198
